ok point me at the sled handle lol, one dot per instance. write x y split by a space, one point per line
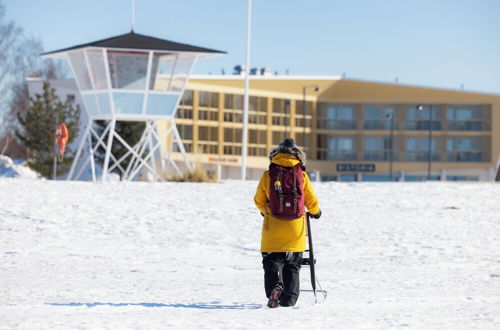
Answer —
311 255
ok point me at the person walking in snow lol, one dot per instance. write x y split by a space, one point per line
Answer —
283 193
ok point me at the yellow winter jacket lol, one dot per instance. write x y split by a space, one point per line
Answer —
283 235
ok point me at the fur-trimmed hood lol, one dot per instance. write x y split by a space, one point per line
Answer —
288 146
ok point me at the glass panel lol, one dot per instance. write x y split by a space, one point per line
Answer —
373 144
464 114
420 144
91 104
187 98
208 99
181 72
233 101
414 113
330 112
128 69
104 104
126 103
185 131
373 113
161 104
463 144
411 144
344 113
96 62
450 114
79 65
161 71
345 143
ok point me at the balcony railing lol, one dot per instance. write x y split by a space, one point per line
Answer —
379 124
466 125
421 125
421 156
464 156
346 124
341 155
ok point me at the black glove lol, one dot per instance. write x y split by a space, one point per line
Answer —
315 216
262 214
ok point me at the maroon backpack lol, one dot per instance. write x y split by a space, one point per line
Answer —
286 193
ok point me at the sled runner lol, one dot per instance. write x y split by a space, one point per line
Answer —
311 262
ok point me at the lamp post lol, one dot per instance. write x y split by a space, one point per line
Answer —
287 116
429 156
391 143
244 135
304 111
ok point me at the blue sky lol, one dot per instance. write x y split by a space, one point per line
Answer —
442 43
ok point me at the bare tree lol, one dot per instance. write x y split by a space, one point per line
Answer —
19 59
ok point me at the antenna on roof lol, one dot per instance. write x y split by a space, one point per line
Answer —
133 16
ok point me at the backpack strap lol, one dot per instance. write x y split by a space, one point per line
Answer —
295 199
280 192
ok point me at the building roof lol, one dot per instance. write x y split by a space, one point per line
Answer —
134 40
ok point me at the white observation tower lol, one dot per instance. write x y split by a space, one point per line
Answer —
131 77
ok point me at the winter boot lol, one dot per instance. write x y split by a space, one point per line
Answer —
273 301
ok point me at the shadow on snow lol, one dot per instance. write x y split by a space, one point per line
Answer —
212 305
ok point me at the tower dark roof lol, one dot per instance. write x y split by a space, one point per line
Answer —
139 41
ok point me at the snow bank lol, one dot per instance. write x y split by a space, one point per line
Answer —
11 170
186 255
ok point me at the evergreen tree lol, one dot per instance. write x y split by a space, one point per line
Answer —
130 131
37 130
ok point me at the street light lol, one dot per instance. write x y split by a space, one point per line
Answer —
429 157
391 142
304 108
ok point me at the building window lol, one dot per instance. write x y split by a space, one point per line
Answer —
257 113
187 98
257 142
337 148
209 100
184 113
281 112
465 118
209 106
303 119
417 150
378 149
233 105
464 149
332 116
185 109
186 133
208 139
208 133
232 141
378 117
232 101
419 119
278 137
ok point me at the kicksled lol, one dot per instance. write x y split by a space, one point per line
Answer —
320 294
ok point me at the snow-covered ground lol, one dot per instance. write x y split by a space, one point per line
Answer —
159 255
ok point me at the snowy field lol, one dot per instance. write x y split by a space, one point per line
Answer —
181 255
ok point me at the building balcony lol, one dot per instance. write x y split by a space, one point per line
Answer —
334 124
423 125
465 156
467 125
421 156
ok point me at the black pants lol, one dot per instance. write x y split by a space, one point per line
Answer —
282 269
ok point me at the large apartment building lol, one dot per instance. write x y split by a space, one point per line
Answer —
351 130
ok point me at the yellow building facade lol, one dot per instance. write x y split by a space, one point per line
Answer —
351 130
